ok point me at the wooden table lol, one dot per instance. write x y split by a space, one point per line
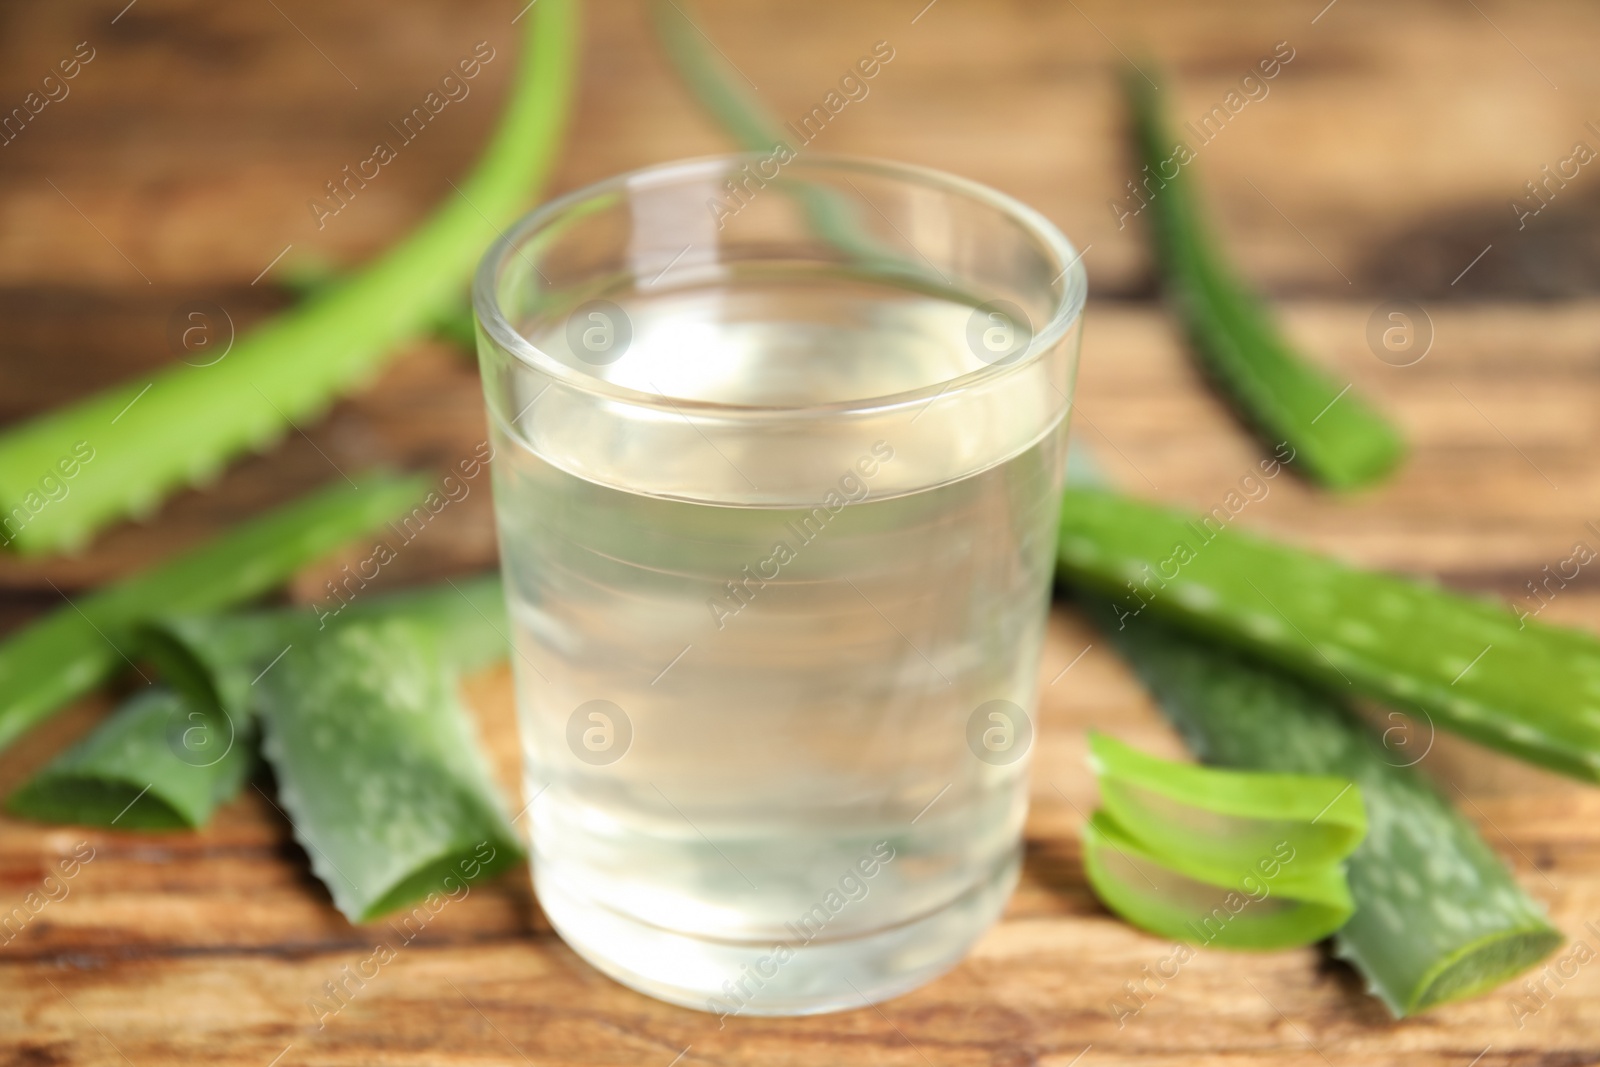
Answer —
1381 165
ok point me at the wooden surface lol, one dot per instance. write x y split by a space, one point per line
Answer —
1379 166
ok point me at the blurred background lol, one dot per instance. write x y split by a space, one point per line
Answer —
1382 161
1425 151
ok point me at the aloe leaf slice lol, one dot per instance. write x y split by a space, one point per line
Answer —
1265 905
80 645
180 754
1225 819
159 762
151 436
217 660
378 768
1521 687
1438 916
1338 438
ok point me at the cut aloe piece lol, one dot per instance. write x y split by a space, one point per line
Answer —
217 661
160 762
1438 916
181 754
151 436
1231 821
1271 904
378 768
80 645
464 619
1337 437
1523 688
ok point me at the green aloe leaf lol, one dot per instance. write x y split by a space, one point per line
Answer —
455 324
1519 686
70 651
1227 820
180 754
217 660
160 762
152 436
718 90
1438 917
1338 438
379 769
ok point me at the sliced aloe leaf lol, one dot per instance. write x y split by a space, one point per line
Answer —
160 762
1338 438
215 660
149 437
1438 916
1266 905
218 660
78 646
1225 819
378 767
1521 687
463 618
182 753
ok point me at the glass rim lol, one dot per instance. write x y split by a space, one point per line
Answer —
1069 298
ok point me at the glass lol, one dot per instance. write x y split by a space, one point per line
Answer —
778 452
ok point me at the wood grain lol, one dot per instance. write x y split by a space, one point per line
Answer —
1382 161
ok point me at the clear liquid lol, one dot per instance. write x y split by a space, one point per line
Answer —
780 808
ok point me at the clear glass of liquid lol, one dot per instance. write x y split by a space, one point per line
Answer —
778 446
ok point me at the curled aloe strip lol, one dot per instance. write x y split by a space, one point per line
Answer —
80 645
378 767
1518 686
1338 438
1226 819
1438 916
159 762
150 437
1268 904
1227 858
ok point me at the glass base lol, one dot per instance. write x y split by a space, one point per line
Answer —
731 978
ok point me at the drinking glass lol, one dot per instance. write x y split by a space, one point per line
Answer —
779 442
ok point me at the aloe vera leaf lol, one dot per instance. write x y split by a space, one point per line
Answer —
149 437
217 661
1523 688
1438 916
1267 904
1338 438
378 768
1226 819
464 619
753 128
78 646
458 326
182 753
707 76
159 762
454 324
